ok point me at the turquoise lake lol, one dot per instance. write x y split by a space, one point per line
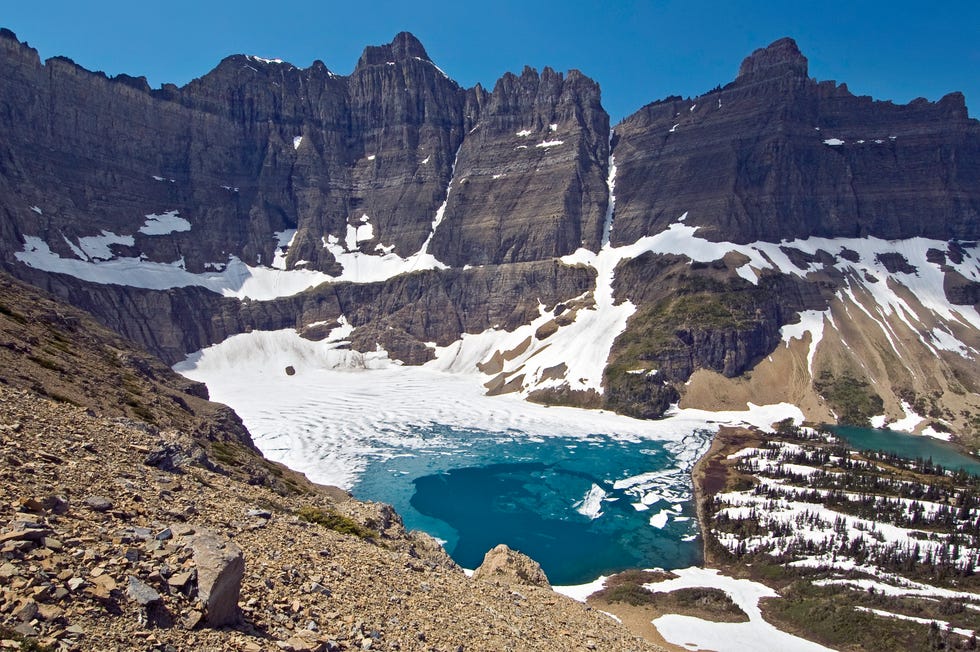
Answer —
906 445
581 507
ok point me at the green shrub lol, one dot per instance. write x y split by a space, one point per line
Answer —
628 592
854 401
335 521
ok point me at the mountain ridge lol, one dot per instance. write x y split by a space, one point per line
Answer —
494 210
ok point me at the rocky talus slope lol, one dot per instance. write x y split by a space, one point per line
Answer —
117 534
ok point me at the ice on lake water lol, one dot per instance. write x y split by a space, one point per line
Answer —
556 503
573 488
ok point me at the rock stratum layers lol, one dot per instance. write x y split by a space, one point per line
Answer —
776 239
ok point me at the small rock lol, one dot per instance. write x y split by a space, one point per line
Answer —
142 593
25 534
52 544
27 630
30 505
180 580
165 534
259 513
139 532
75 629
75 583
316 587
27 612
55 504
50 612
193 620
165 458
98 503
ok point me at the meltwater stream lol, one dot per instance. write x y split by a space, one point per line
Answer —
581 507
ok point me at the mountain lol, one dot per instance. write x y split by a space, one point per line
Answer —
776 239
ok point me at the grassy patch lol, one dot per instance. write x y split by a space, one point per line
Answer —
226 453
634 576
853 400
335 521
47 364
701 602
827 615
630 593
25 644
12 314
628 587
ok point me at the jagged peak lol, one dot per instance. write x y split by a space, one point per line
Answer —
11 44
403 46
775 60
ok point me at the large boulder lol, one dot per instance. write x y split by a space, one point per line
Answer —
511 567
220 568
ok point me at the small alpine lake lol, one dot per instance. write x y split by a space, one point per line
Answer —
581 507
911 446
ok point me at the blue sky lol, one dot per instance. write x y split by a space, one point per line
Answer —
637 51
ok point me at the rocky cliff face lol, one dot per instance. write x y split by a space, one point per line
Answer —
697 237
776 155
531 175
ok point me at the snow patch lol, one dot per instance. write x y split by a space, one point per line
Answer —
908 422
252 57
164 224
284 240
358 233
812 322
943 625
756 635
235 278
99 247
